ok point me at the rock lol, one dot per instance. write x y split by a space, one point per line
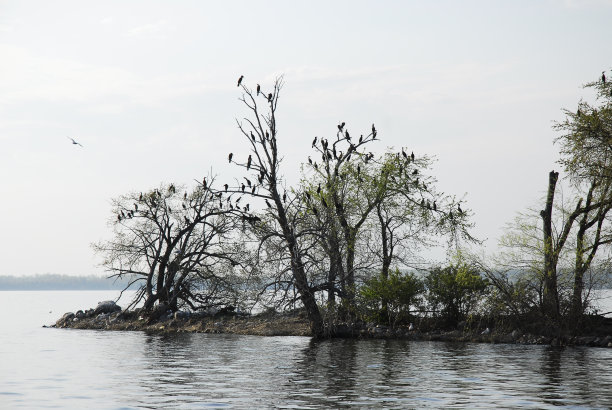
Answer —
107 306
79 314
181 315
515 334
65 319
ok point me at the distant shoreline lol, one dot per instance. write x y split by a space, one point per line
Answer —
59 282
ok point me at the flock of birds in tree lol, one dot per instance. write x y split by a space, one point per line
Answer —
326 154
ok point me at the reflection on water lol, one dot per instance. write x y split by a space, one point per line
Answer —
93 369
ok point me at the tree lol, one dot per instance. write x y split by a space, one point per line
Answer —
263 165
173 242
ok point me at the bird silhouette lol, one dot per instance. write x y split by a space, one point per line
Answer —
74 142
270 97
459 208
249 162
242 187
253 189
412 155
603 77
240 80
252 136
226 187
314 142
258 89
229 157
248 181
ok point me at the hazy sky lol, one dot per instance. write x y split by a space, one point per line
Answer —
149 89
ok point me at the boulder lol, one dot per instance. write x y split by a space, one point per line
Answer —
108 306
67 317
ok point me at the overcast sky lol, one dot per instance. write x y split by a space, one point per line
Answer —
149 89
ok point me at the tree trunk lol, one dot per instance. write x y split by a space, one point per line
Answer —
551 296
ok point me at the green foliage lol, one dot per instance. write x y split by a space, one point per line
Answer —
455 290
388 299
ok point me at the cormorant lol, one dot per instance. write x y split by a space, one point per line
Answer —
140 199
459 208
253 189
404 154
226 187
340 126
270 97
248 181
229 157
184 207
603 77
119 217
412 155
122 214
309 160
258 89
136 207
240 80
314 142
348 137
361 138
252 136
284 197
185 195
242 187
249 162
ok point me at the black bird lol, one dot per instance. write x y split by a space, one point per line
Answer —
252 136
240 80
258 89
373 129
450 214
416 171
242 187
247 207
412 155
248 181
226 187
249 162
122 214
434 206
358 169
603 77
74 142
253 189
316 167
309 160
284 197
578 113
314 142
348 137
270 97
119 217
459 208
204 183
404 154
319 189
361 138
229 157
185 195
140 199
136 207
340 126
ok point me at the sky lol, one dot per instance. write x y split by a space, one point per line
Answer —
149 89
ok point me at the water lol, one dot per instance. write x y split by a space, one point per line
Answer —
62 368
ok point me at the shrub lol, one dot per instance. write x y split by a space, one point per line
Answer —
455 291
388 299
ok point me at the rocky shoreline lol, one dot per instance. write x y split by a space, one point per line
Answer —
109 316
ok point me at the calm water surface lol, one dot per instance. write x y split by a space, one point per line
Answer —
43 368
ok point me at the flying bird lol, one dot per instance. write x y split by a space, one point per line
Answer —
240 80
74 142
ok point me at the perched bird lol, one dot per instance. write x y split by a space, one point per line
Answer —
249 162
240 80
242 187
309 160
361 138
226 187
270 97
140 198
253 189
204 183
284 197
348 137
319 189
340 126
185 195
258 89
252 136
229 157
74 142
412 155
603 77
459 208
314 142
248 181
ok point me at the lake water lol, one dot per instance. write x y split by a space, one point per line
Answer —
63 368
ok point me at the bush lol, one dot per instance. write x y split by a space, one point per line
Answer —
388 299
455 291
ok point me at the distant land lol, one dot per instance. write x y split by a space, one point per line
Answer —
60 282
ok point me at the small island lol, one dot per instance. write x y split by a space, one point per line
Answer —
337 255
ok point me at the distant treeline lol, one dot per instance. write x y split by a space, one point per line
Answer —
60 282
